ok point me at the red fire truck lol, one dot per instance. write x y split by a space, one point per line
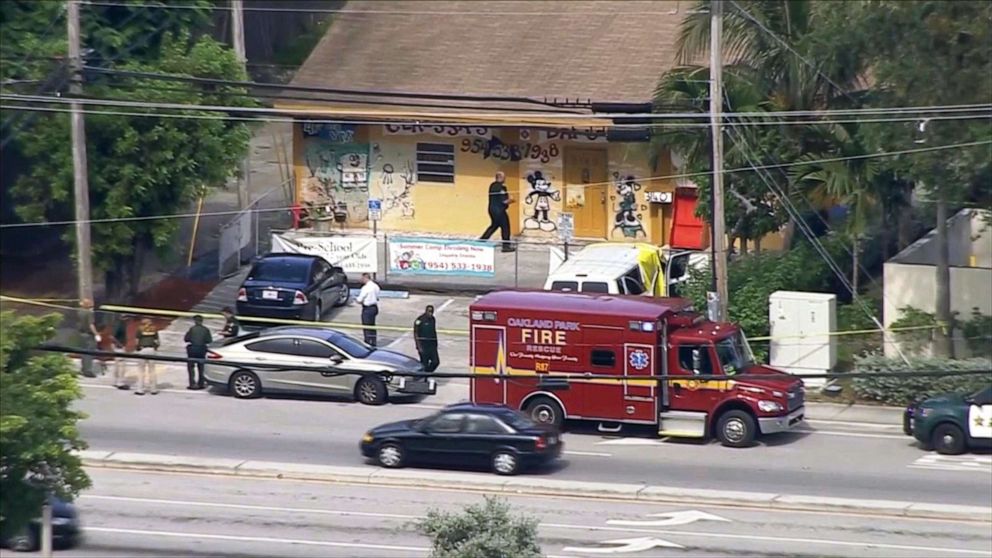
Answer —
537 337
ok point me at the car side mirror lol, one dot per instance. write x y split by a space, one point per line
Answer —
337 270
697 361
336 359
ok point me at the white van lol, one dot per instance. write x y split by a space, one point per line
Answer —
621 268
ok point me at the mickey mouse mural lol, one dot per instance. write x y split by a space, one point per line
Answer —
541 194
627 220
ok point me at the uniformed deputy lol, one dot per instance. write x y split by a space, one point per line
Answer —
148 340
425 335
231 325
197 339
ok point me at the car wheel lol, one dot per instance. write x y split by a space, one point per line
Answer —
318 312
736 429
245 385
390 456
344 296
505 463
948 439
544 410
23 542
370 390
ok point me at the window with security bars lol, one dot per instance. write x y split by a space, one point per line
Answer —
436 163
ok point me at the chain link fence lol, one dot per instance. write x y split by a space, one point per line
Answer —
246 236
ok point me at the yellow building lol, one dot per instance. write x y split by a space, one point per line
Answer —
420 110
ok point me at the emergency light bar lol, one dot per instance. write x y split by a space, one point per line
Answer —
484 316
636 325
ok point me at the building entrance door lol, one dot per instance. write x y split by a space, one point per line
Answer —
586 190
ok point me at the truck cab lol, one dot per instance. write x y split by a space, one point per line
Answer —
617 360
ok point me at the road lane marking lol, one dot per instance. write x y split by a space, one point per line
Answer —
167 390
588 453
870 425
405 336
565 526
241 538
966 463
852 434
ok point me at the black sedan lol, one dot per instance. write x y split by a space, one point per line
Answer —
293 287
465 434
65 530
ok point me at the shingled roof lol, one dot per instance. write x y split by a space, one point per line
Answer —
606 51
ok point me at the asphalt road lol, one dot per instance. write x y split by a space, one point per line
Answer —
851 460
151 514
827 459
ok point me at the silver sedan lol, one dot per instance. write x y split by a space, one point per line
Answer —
351 368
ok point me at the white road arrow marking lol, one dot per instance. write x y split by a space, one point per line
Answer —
624 546
668 519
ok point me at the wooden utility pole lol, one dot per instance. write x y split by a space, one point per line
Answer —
81 187
716 104
238 40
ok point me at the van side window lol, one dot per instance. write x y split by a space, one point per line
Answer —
685 359
603 357
630 283
565 286
595 287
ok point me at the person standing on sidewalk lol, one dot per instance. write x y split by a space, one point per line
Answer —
231 325
197 339
425 336
124 342
368 297
148 340
89 336
499 202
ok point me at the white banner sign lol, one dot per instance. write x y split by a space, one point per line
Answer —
430 256
355 254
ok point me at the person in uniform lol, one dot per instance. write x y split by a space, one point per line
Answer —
231 325
89 336
425 335
124 342
148 340
197 339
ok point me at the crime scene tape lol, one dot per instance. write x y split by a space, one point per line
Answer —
343 325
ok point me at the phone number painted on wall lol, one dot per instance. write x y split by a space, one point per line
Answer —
415 256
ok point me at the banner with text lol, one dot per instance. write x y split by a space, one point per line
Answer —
355 254
430 256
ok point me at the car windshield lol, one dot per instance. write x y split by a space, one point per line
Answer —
517 420
280 271
350 345
735 353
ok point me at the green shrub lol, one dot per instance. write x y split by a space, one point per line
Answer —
900 390
913 341
852 317
487 530
978 334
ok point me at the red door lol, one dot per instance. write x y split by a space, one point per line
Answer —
640 395
488 357
690 394
688 231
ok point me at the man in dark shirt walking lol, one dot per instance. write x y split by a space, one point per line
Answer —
499 201
425 335
197 339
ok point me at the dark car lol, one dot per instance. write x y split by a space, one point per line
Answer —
466 434
951 423
65 530
292 286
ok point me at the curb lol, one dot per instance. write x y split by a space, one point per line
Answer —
532 486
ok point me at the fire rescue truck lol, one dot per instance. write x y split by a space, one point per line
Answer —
536 338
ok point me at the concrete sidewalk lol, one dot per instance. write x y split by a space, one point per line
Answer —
488 483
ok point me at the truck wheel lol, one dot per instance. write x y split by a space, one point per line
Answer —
736 429
544 410
948 439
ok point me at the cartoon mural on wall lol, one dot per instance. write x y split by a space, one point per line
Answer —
628 216
337 169
541 194
394 175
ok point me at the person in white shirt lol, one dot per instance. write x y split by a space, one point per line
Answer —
368 297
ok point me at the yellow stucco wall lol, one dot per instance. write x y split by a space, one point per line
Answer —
535 181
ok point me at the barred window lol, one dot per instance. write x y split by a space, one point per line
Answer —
436 162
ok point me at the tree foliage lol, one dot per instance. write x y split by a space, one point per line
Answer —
487 530
38 432
154 162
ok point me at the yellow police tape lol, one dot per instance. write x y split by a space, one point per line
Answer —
460 332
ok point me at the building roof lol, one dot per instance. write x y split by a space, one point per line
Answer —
597 51
540 302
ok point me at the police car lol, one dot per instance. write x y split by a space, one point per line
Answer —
951 423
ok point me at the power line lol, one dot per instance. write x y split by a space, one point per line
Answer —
348 11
